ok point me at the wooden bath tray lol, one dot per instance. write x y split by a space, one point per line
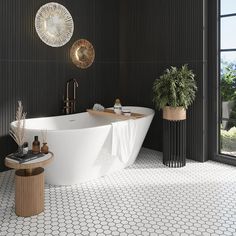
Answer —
111 113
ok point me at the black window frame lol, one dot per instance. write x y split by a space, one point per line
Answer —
220 101
214 106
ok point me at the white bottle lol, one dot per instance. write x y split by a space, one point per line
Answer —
118 107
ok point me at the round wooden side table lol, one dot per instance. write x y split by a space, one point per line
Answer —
29 184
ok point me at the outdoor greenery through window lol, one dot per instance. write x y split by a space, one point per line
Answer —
228 77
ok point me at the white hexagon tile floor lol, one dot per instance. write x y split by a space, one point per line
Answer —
144 199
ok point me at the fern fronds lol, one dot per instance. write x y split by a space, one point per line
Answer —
176 87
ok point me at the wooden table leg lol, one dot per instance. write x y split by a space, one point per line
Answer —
28 171
29 192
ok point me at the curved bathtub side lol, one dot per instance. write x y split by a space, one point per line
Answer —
75 152
85 154
76 157
111 163
142 126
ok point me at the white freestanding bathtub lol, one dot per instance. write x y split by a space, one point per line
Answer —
82 144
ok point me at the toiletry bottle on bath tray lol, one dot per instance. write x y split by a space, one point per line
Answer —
118 107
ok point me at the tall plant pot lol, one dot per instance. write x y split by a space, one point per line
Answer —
174 136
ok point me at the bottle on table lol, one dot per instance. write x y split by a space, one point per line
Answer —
44 148
117 107
36 145
25 148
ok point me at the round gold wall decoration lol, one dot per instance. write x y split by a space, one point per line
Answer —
82 53
54 24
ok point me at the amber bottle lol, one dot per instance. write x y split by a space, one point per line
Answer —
44 148
36 145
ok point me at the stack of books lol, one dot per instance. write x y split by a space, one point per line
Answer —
27 157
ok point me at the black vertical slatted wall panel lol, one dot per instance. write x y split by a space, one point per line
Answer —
35 73
157 34
132 49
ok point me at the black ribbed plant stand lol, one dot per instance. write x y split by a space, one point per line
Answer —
174 143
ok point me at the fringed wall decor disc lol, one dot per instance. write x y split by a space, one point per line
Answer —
82 53
54 24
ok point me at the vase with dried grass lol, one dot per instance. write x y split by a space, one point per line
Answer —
17 132
44 148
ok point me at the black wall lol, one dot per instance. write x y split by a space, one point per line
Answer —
135 41
36 73
154 35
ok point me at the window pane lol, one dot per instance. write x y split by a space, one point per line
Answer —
228 57
228 111
228 7
228 138
228 84
228 33
228 103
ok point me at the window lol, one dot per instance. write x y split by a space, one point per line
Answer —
227 77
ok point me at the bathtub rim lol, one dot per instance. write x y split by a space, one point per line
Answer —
152 113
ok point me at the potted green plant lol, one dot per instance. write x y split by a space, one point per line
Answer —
174 92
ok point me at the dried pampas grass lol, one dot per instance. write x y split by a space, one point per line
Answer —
17 132
44 134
